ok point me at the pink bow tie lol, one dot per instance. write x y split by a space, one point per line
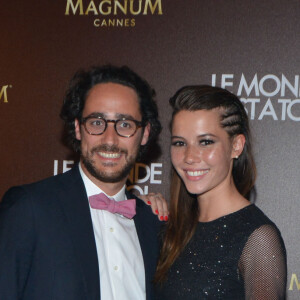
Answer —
125 208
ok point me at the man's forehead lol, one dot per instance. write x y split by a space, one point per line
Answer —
110 115
112 100
111 87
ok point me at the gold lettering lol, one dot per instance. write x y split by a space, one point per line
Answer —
120 22
131 7
96 22
91 7
105 13
122 8
74 8
111 22
153 7
3 93
126 22
294 279
103 23
132 22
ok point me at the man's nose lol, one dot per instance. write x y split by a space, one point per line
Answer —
110 136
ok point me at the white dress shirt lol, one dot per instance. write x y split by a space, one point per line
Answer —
121 265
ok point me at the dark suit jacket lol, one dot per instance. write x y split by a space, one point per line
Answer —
47 245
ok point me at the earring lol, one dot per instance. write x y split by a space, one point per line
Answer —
237 157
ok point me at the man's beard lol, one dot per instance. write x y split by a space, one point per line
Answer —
103 176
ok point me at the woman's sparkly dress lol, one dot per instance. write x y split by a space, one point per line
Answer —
238 256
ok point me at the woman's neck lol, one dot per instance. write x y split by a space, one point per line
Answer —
220 201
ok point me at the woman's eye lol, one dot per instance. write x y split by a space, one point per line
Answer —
178 143
206 142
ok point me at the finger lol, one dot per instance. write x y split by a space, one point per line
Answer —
162 207
165 209
153 200
158 204
146 199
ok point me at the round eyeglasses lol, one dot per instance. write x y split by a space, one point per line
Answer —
123 127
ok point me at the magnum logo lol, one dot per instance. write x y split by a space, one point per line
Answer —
114 12
3 93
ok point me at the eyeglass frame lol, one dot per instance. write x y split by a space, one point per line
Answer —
139 124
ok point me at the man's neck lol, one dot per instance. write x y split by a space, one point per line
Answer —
109 188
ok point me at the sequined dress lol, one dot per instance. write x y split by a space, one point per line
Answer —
238 256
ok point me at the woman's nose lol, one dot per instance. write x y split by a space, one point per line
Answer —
192 155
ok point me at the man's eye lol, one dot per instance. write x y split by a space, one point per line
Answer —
96 123
125 124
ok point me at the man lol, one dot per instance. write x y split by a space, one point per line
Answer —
54 242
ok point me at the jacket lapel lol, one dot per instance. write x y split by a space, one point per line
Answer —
76 208
147 227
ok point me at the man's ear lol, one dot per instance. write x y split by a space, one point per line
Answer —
146 134
77 130
238 145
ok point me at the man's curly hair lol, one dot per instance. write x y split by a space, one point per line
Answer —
83 81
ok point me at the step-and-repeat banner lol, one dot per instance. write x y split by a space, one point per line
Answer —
249 47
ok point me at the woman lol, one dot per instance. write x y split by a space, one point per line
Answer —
217 245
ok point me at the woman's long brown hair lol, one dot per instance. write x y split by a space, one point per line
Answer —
180 227
184 211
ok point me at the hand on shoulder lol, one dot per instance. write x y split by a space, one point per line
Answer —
158 205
